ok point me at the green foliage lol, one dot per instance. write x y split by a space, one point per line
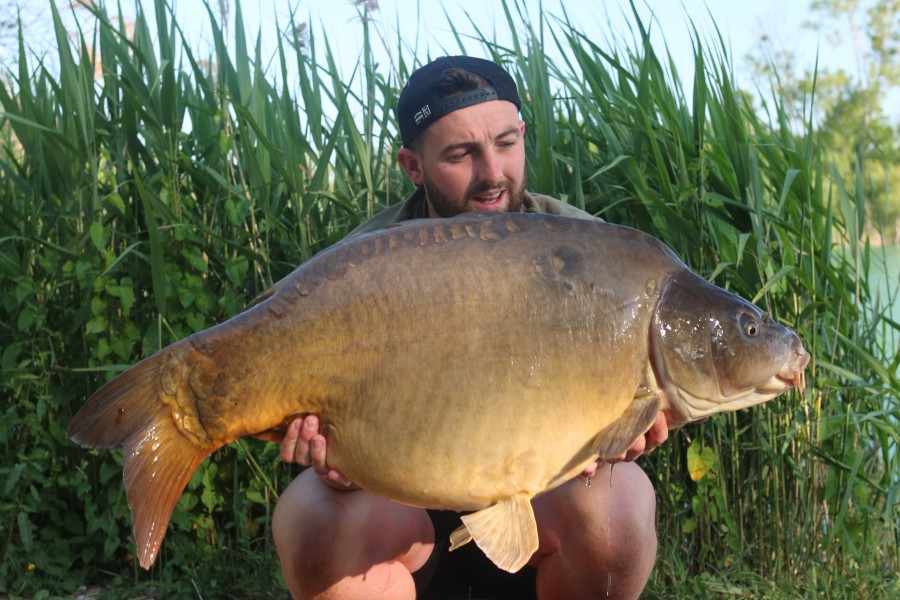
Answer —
158 194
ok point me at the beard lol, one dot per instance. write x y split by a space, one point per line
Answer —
445 206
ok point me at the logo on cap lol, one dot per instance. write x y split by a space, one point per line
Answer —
423 114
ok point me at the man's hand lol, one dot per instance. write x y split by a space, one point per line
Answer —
304 445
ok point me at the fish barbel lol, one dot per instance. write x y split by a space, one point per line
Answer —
549 341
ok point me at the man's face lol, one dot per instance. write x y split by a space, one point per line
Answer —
471 160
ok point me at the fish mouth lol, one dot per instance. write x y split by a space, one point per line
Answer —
793 373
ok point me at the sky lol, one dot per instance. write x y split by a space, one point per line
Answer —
425 28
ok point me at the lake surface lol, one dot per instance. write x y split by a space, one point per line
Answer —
888 279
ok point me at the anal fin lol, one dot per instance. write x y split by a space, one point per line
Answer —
506 532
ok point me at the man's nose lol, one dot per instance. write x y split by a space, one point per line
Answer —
490 167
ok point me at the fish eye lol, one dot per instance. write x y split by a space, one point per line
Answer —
751 328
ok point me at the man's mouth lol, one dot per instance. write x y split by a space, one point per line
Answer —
487 200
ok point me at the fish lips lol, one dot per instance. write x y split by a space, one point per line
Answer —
792 374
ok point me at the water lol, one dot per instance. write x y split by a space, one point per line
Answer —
886 281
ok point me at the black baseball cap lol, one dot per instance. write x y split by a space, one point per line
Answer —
421 104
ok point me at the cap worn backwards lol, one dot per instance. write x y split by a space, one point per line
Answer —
421 103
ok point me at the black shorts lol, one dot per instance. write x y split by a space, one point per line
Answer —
466 573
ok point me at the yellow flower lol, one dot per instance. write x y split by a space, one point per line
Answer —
32 566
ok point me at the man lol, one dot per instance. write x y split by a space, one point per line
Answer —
463 147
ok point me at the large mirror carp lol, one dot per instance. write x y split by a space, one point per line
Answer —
548 341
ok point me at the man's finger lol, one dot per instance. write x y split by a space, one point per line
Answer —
317 454
590 470
658 433
310 428
289 443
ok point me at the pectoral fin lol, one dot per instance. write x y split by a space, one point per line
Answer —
506 532
622 433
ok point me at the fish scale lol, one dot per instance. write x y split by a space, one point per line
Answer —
467 364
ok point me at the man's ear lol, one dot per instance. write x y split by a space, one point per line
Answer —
411 163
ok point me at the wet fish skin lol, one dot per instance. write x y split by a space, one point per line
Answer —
549 341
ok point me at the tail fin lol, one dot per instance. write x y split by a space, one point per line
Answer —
158 459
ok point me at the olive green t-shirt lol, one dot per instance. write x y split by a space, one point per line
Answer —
415 207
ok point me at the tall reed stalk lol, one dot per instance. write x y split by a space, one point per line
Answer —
147 192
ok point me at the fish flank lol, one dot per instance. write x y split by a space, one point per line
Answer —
489 233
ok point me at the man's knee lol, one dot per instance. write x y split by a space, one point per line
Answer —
300 528
633 529
327 538
603 537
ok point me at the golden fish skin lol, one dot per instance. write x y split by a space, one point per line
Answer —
533 334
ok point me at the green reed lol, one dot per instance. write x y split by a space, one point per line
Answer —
148 191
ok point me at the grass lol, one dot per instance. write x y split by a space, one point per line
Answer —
158 197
